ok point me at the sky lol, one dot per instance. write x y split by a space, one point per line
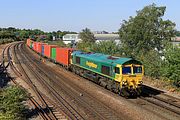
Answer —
75 15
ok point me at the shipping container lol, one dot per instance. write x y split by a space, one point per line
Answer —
53 53
39 47
42 52
63 55
31 44
47 50
28 42
34 46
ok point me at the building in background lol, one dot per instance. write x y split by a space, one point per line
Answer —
105 37
71 38
100 32
176 41
74 38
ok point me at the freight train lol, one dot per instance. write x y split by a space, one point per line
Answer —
120 75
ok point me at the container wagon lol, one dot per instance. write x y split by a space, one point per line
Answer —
31 44
35 46
28 42
50 51
39 47
63 56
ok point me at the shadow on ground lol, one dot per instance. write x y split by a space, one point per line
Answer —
4 79
148 91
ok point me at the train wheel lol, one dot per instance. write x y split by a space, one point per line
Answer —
116 87
124 93
81 72
138 91
103 82
110 85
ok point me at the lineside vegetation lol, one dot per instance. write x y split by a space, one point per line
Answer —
11 103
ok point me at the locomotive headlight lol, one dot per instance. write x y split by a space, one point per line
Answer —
124 82
140 82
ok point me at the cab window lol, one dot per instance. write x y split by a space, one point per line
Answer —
137 70
116 69
126 70
78 60
105 70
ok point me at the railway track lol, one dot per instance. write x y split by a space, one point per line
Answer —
161 99
34 102
162 103
90 105
51 89
3 59
48 114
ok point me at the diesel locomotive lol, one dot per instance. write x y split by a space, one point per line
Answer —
121 75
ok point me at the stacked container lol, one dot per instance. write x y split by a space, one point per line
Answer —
64 55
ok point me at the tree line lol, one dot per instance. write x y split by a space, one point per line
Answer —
14 34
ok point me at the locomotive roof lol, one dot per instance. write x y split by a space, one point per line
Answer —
106 58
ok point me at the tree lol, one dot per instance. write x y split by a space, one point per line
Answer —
152 63
87 36
107 47
23 34
88 40
146 31
49 36
178 33
171 67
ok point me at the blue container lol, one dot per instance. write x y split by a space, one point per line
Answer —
42 52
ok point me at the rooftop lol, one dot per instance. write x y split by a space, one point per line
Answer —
102 58
176 39
106 36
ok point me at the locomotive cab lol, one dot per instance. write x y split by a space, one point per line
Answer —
130 77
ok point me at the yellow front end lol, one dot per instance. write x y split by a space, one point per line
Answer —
130 76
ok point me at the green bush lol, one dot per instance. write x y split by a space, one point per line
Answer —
171 64
6 40
85 46
152 63
11 103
